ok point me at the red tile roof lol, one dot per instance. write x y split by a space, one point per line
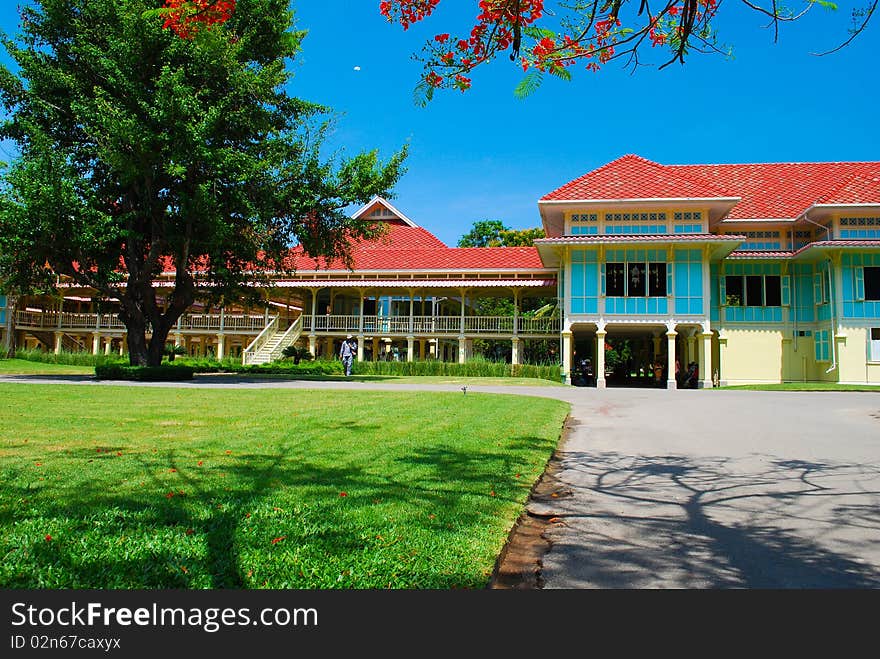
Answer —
780 190
856 189
767 190
414 248
633 177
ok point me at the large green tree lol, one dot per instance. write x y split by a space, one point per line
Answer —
493 233
143 151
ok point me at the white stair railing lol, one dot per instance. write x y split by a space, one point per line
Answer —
289 337
247 357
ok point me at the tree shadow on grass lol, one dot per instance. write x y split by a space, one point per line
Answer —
718 522
279 503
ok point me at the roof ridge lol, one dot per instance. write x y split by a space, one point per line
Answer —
790 162
626 156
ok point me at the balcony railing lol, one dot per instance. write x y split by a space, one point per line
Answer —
253 324
430 324
66 321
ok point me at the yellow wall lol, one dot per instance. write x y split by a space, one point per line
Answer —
874 373
751 356
853 355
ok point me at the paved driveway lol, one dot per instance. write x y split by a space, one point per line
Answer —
697 489
718 489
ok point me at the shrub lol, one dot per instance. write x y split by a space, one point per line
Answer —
472 368
69 358
164 373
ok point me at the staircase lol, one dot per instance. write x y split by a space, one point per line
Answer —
271 342
68 343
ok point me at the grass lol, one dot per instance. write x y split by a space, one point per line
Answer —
414 379
120 487
805 386
27 367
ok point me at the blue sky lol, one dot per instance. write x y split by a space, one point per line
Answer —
485 154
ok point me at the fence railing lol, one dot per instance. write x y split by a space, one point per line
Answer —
68 320
430 324
232 323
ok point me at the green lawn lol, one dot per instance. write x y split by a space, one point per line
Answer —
121 487
24 367
805 386
414 379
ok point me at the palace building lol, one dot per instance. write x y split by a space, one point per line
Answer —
752 273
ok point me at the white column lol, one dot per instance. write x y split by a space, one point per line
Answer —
566 356
58 338
108 342
514 354
360 352
691 339
461 327
670 359
221 346
462 348
410 346
96 343
706 359
313 343
600 358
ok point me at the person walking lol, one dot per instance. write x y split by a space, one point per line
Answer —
346 353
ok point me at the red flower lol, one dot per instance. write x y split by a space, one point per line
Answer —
118 454
442 38
343 494
200 463
169 495
228 452
38 464
172 470
275 541
48 538
189 531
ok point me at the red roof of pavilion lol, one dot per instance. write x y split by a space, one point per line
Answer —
767 190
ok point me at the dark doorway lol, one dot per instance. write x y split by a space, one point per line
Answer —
583 362
630 361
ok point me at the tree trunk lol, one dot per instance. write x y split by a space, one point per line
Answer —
156 349
136 326
9 342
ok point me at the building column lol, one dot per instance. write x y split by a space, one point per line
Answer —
108 342
360 339
422 349
657 340
670 359
462 347
96 343
313 344
691 354
706 359
178 340
600 358
58 338
122 342
514 353
375 348
410 347
566 357
221 347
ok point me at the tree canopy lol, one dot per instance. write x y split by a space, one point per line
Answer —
550 37
493 233
148 148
